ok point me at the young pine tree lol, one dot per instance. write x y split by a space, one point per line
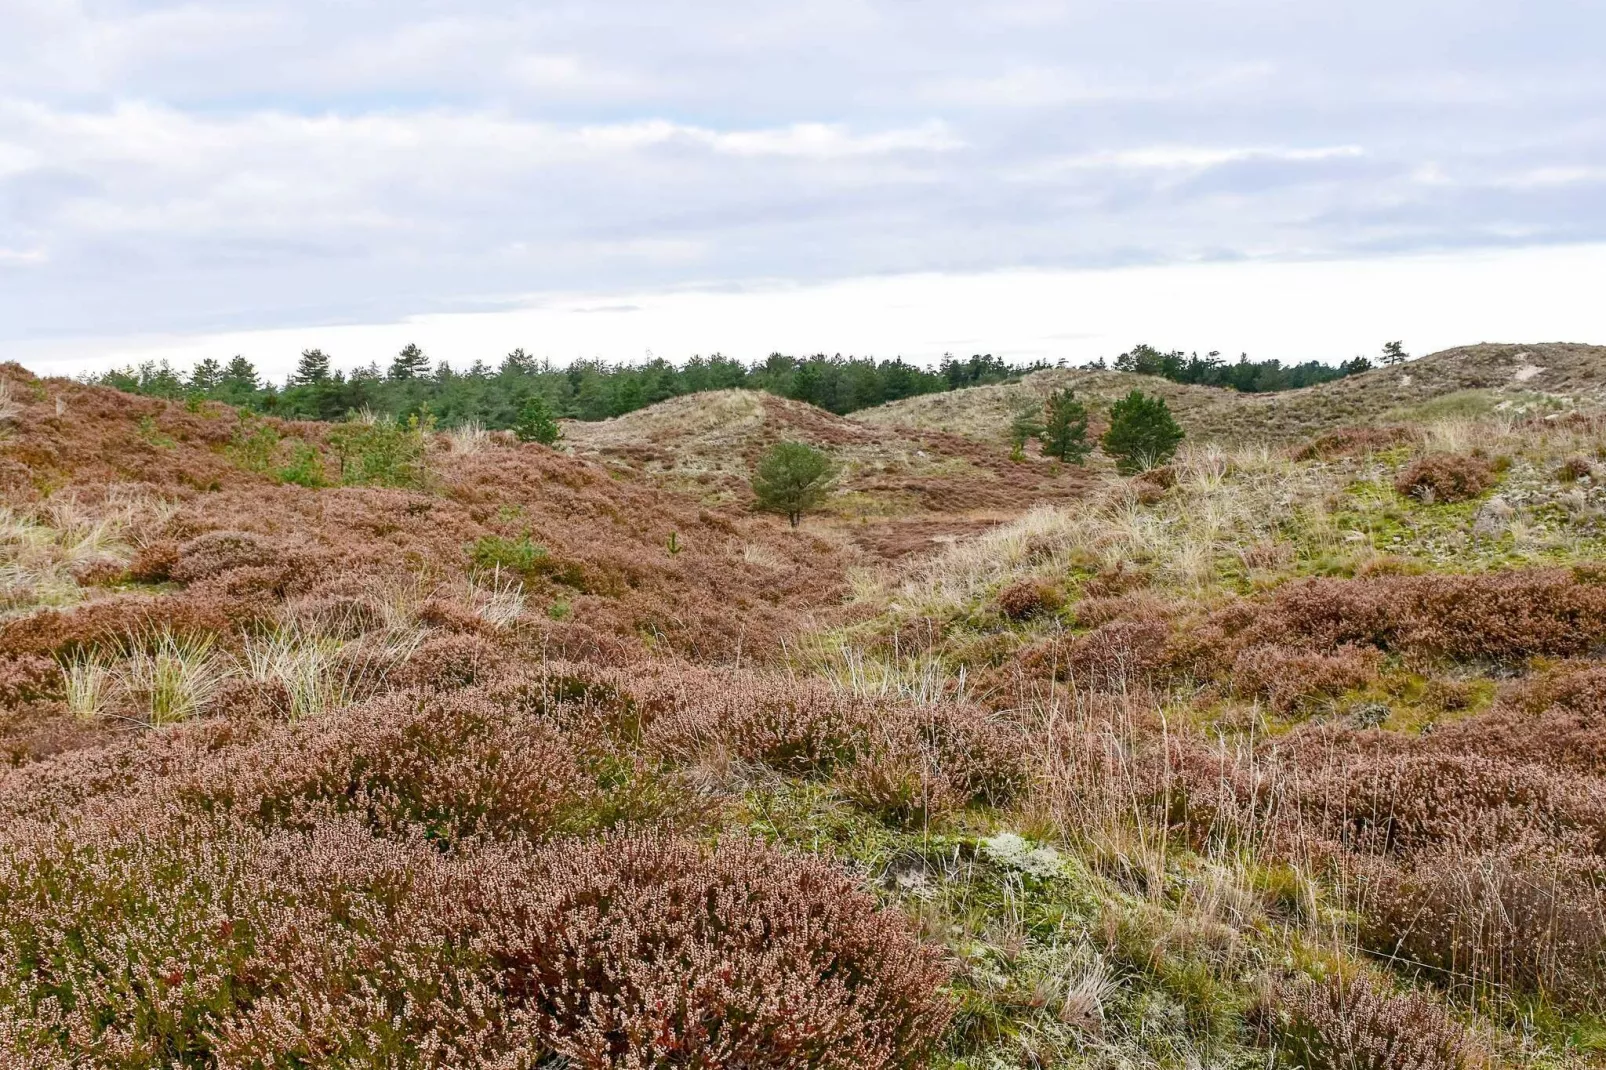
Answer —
792 478
1142 433
1065 428
311 369
410 363
206 376
536 423
240 376
1027 425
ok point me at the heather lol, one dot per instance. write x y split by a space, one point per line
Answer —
372 744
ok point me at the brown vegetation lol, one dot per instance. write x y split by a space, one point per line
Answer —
490 771
1446 477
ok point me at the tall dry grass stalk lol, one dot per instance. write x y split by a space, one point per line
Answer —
173 677
919 678
320 671
88 680
44 547
10 407
498 600
469 437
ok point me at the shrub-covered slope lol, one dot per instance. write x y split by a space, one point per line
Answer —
366 746
1468 379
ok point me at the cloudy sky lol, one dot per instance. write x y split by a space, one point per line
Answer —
617 176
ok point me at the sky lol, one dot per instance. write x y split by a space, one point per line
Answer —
617 178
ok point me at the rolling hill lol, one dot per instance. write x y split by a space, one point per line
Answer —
1486 375
365 745
898 488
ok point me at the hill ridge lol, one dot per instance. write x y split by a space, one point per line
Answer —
1564 372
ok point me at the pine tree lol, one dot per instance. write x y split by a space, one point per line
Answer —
535 422
518 362
1142 433
1394 353
239 380
410 363
313 368
1065 428
792 478
1027 425
206 376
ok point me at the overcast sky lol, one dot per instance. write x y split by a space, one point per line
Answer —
209 173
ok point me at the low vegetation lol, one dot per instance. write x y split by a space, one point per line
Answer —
472 753
1142 434
791 479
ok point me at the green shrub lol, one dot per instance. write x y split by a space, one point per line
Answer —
1027 425
792 478
305 468
1065 428
519 555
153 434
254 443
1142 433
382 451
536 422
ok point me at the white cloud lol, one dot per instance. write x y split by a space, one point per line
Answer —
1189 157
185 162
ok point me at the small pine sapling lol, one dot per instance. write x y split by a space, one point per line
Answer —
792 478
536 423
1026 425
1065 428
1142 433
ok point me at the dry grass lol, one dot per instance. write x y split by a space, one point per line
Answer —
171 678
468 438
1226 510
1483 377
319 672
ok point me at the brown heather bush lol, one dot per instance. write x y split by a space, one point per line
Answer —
1406 803
1123 652
446 661
110 621
958 753
1446 477
801 726
25 677
1112 582
646 952
1288 678
1566 731
217 552
1348 441
1500 616
1350 1024
1574 468
1028 599
1524 916
448 766
143 943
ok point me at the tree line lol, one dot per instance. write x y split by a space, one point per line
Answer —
500 396
495 397
1245 375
